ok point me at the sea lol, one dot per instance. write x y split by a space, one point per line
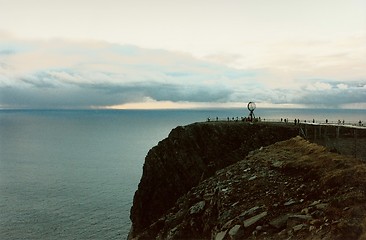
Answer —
72 174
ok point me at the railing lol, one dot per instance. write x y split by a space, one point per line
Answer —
288 121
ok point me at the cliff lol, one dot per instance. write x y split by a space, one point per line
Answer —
237 180
191 154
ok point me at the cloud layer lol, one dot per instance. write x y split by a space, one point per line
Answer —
66 74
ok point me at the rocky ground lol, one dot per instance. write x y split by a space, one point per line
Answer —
292 189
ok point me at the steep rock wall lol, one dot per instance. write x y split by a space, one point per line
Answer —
191 154
292 189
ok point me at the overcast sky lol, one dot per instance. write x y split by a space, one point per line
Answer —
175 53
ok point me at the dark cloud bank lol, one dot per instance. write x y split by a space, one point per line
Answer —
85 95
158 75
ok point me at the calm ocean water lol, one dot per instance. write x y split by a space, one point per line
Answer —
72 174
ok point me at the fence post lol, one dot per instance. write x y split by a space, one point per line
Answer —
355 142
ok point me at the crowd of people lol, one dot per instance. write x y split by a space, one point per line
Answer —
282 120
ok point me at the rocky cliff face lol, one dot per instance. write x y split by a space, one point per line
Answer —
190 155
289 190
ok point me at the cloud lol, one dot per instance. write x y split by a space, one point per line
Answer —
333 98
65 74
342 86
75 75
319 86
332 94
41 94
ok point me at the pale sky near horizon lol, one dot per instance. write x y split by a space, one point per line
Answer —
147 54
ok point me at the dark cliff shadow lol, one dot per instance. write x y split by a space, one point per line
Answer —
191 154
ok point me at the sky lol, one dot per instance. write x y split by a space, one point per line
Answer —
121 54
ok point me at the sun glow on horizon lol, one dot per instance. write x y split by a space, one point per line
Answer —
150 104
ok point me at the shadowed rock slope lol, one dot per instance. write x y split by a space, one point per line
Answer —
191 154
289 190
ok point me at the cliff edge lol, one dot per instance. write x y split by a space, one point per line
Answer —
248 181
191 154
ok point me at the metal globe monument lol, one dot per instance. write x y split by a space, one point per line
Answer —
251 107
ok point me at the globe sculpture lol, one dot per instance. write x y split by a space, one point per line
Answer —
251 106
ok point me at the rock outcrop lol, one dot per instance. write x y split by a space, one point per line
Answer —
292 189
190 155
